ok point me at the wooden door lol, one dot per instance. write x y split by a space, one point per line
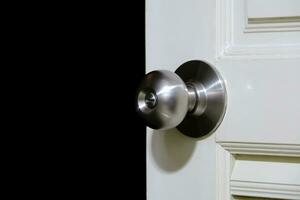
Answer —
255 153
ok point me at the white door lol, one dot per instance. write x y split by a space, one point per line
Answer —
255 153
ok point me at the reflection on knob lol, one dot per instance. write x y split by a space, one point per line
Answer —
193 99
162 99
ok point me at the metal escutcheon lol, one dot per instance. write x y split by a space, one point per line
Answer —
193 99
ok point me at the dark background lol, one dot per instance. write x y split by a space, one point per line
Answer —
127 142
119 136
74 131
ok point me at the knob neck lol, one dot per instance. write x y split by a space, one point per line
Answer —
197 100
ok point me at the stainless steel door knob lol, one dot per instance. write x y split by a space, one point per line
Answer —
193 99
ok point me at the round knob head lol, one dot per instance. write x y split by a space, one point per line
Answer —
162 99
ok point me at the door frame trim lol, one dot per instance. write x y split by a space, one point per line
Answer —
225 160
227 49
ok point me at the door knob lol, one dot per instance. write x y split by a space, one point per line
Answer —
193 99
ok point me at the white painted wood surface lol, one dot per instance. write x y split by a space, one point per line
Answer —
237 38
272 177
272 8
263 101
260 62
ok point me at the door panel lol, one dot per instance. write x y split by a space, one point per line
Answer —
179 167
257 51
258 55
263 102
